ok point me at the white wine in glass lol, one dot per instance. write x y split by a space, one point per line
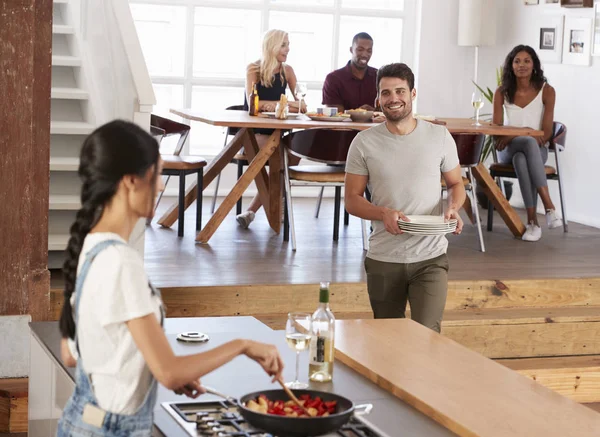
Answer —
477 102
297 336
301 91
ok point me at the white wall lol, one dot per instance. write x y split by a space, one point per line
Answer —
444 89
109 74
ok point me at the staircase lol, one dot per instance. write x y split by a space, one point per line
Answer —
71 119
96 77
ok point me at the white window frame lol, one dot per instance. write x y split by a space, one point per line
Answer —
409 51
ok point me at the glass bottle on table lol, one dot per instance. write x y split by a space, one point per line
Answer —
321 352
253 105
297 336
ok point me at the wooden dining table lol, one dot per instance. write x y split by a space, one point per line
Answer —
268 182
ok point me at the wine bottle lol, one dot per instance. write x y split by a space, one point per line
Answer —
321 351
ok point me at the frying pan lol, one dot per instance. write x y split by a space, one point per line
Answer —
297 426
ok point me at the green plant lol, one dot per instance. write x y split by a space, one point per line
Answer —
489 95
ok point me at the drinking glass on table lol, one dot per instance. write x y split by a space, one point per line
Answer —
297 335
477 102
301 90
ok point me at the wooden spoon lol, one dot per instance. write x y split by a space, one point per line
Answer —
293 397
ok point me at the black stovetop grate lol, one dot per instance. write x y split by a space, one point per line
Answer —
222 419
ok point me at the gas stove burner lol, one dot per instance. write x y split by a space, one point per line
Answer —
222 419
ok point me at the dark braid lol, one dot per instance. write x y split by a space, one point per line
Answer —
112 151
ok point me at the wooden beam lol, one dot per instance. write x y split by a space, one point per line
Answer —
353 297
239 188
492 191
262 178
212 171
577 378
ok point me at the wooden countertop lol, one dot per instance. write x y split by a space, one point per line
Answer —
462 390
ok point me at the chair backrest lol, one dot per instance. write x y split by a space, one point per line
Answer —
469 148
329 146
233 130
171 127
559 136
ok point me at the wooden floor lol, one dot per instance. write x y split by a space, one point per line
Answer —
257 256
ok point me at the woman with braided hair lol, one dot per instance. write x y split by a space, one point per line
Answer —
112 317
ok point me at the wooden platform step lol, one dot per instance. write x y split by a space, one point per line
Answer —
526 332
13 405
577 378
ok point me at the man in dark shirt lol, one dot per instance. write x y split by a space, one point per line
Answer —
353 86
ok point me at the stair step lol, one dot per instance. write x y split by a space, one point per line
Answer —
526 333
64 201
66 61
69 93
576 377
64 164
71 127
519 316
63 29
58 242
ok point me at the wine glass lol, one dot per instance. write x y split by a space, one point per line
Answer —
297 335
301 90
477 102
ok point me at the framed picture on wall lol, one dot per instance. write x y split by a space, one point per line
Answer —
577 41
577 3
551 3
596 37
531 2
550 39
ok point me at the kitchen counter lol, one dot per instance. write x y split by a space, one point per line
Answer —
390 414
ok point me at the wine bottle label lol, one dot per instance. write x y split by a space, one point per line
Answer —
317 350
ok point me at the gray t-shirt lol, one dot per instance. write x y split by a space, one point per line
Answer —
404 174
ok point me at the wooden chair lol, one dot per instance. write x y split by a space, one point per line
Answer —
326 146
160 128
469 148
557 144
182 166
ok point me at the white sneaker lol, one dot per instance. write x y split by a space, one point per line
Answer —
532 233
245 218
552 220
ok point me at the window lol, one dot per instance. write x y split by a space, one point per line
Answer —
197 50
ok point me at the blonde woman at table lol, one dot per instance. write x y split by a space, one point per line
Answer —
272 77
527 100
111 321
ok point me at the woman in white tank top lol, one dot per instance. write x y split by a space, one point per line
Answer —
525 99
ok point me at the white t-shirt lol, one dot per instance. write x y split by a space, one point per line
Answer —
115 290
404 174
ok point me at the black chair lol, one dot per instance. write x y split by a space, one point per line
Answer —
325 146
160 128
469 148
557 144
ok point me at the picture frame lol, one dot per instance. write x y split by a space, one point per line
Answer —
577 3
577 41
596 31
531 2
551 3
550 39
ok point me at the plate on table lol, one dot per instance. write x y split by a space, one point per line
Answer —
289 116
335 118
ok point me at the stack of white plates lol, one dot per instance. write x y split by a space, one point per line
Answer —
427 225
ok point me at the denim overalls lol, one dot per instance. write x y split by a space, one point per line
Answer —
82 416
